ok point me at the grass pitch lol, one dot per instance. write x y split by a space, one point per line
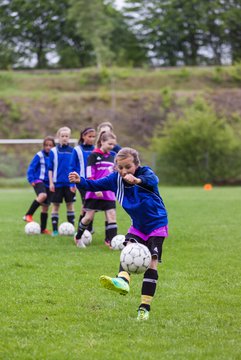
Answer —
52 306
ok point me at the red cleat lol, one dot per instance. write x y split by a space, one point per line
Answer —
46 232
28 218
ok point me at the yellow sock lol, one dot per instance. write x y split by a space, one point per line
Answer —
125 275
146 299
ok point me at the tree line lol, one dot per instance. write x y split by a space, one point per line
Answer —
81 33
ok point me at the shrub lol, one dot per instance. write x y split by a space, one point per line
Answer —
198 147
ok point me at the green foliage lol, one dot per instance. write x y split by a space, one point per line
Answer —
9 165
7 57
177 31
218 74
235 72
95 26
6 79
13 183
168 33
198 147
167 96
9 116
33 28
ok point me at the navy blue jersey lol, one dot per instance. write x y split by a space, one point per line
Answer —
116 148
38 168
79 158
142 202
59 162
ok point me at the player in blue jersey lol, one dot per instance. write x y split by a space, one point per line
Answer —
100 164
59 185
136 188
107 126
37 175
78 161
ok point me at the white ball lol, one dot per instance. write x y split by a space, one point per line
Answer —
135 258
117 242
32 228
66 228
86 237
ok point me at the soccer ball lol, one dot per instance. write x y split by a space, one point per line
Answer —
135 258
32 228
86 237
117 242
66 228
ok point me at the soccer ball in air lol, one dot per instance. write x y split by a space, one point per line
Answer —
135 258
86 237
32 228
66 228
117 242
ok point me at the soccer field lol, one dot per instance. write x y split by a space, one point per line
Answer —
52 306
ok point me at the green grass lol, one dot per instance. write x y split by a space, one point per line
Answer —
37 83
52 306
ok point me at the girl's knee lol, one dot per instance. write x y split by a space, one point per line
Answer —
41 197
111 215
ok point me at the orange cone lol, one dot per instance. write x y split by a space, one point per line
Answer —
208 187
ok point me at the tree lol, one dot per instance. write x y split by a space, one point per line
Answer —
198 147
125 47
32 27
171 29
73 50
189 32
231 17
95 26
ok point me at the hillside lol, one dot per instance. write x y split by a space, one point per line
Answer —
34 104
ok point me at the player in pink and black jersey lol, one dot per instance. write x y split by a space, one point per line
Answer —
100 164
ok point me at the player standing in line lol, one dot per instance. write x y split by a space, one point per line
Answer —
100 164
136 188
107 126
59 185
78 161
37 175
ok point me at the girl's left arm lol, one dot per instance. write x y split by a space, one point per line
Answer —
148 177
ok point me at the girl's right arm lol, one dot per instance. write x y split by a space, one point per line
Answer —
103 184
32 169
51 183
74 177
50 172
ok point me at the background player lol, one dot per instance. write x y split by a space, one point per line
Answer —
79 159
100 164
37 175
59 185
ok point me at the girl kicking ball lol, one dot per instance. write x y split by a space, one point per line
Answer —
136 188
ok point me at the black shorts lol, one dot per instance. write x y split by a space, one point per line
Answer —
82 194
154 244
99 205
41 188
62 193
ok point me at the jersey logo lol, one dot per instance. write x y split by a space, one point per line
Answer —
98 158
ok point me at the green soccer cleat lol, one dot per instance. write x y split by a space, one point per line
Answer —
55 233
116 284
143 314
